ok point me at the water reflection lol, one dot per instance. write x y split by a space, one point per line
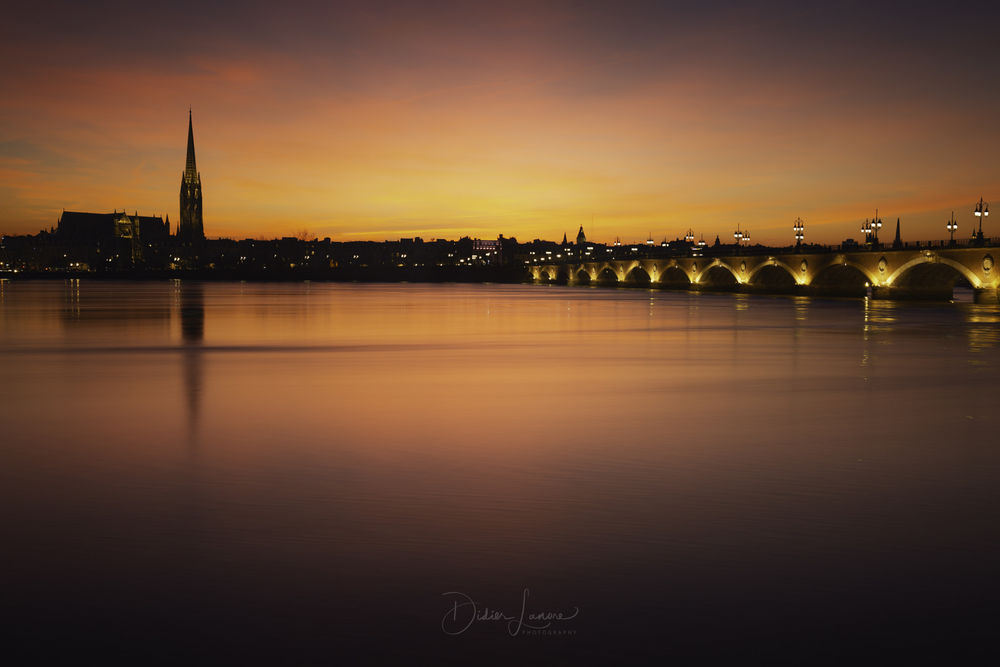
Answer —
800 314
657 458
801 307
192 315
983 326
880 315
72 310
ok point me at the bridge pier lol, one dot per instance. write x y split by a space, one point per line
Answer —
985 295
883 292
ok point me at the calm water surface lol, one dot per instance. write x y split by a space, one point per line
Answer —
306 470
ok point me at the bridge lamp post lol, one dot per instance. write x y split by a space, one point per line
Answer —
870 230
982 211
800 231
952 226
741 236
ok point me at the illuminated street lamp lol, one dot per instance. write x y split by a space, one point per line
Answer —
870 229
741 236
982 211
800 231
699 247
952 226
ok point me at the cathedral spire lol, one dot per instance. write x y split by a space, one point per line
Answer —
190 169
190 228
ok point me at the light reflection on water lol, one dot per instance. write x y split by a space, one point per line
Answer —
719 464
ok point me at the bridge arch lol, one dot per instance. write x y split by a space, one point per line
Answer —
607 275
842 278
717 275
772 275
583 276
638 276
626 268
674 276
920 272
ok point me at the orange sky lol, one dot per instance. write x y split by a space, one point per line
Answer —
379 120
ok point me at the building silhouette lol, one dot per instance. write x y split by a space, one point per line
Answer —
581 238
119 235
191 229
91 228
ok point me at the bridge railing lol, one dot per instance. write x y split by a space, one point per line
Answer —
728 250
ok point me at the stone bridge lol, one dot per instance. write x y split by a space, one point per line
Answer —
922 273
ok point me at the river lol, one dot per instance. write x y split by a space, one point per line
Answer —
306 469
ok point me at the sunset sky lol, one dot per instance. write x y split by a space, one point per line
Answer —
379 120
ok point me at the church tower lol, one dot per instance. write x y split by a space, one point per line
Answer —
190 229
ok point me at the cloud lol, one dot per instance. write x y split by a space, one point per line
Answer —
523 117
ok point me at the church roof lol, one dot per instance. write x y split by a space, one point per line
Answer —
77 226
86 227
77 217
